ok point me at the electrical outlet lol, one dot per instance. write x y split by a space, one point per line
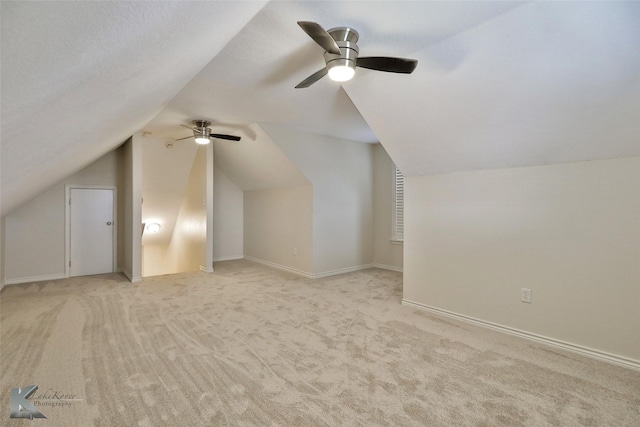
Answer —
525 296
295 251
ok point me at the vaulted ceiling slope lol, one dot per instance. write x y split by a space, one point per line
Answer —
546 83
253 78
79 78
498 84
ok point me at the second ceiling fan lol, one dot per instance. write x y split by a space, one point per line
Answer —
202 133
341 55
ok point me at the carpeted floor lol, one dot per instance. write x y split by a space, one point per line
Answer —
248 345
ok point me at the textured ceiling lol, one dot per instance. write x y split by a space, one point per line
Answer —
79 78
498 84
549 82
253 78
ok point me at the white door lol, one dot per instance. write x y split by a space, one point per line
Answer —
90 231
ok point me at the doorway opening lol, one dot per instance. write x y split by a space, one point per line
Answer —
176 208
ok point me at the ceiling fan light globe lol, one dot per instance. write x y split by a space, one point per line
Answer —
341 73
202 140
153 227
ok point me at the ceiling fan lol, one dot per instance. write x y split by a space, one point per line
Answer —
341 55
202 133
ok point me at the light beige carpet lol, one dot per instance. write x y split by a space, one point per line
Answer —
248 345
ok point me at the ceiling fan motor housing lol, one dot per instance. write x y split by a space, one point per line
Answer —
346 39
202 128
202 132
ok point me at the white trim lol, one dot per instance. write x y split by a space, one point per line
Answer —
228 258
67 224
209 190
341 271
279 267
205 270
309 275
574 348
20 280
388 267
130 276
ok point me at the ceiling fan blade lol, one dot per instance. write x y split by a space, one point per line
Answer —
312 78
227 137
186 137
320 36
389 64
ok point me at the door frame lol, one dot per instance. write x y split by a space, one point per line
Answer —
67 223
208 267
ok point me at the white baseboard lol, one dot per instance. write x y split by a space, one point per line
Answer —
228 258
279 267
307 274
222 258
130 276
20 280
388 267
574 348
341 271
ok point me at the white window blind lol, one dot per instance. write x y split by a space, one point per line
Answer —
398 206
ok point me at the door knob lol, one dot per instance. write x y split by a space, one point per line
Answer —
109 223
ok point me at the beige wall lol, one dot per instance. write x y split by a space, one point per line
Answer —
569 232
386 254
35 232
153 260
275 222
187 249
341 173
228 218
